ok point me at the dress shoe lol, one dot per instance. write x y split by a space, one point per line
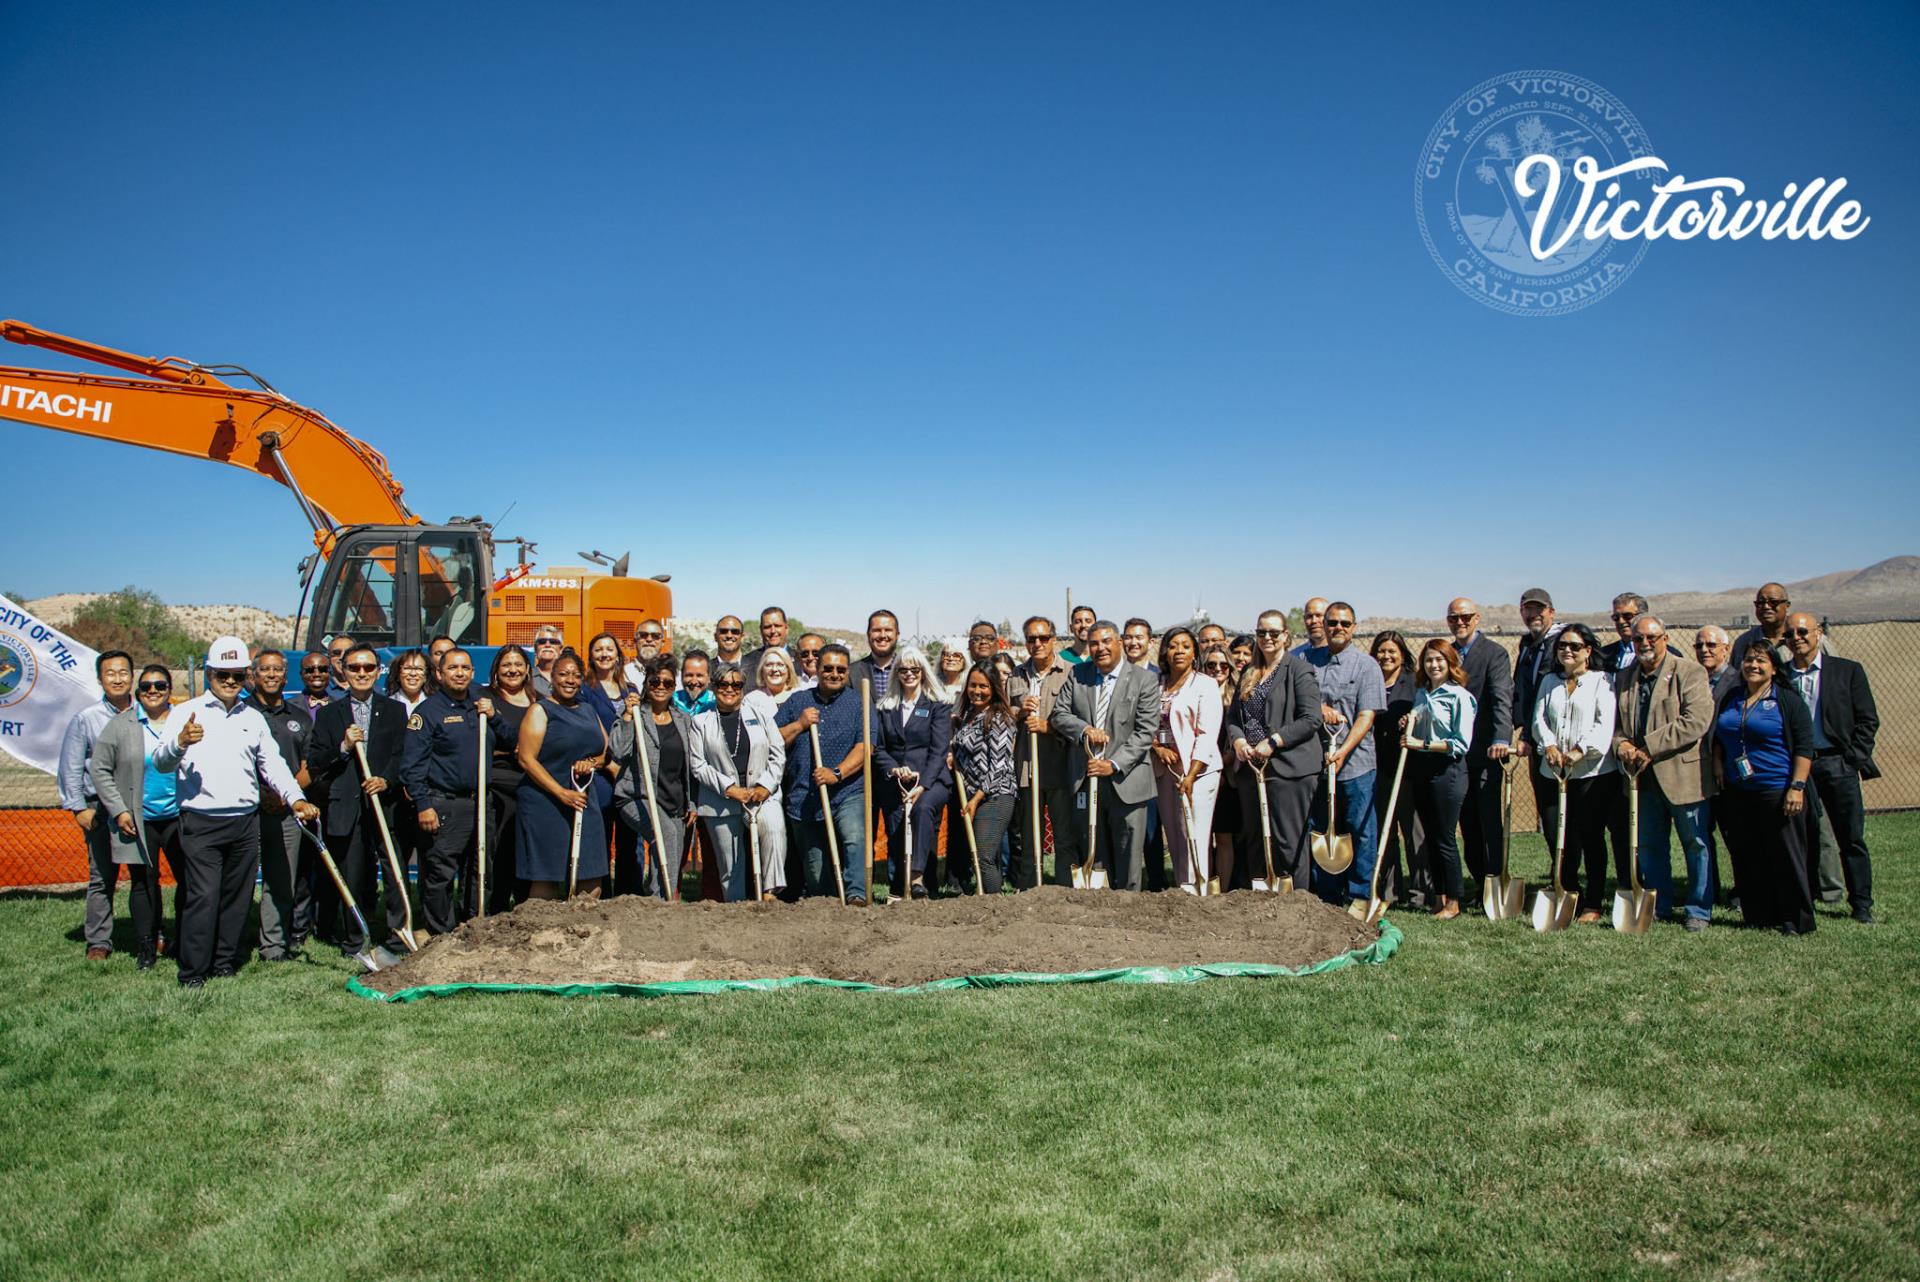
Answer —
856 901
919 889
98 954
143 962
1865 917
1696 924
193 983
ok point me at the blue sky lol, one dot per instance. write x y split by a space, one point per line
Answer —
951 307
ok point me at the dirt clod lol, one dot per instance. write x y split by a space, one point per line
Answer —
638 940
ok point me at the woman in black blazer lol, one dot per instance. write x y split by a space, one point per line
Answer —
910 761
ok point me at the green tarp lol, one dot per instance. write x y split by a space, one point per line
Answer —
1373 954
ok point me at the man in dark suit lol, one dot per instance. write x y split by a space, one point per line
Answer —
1108 712
1490 682
1844 725
353 835
883 642
1530 668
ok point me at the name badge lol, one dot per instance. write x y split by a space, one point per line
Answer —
922 713
452 719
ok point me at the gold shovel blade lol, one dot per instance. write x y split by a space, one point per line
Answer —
1503 898
1632 911
1553 910
1376 909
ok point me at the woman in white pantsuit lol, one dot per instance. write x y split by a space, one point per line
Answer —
1186 756
737 761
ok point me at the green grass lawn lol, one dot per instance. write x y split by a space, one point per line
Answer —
1489 1103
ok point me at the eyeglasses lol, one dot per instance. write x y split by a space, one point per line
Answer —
538 641
235 675
809 654
728 632
1624 616
363 667
1771 600
650 636
661 683
833 672
729 685
1215 666
1570 645
1708 645
1801 632
149 687
1035 638
1655 639
1269 633
1462 618
1339 623
318 670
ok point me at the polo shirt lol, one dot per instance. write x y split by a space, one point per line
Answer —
1351 681
839 731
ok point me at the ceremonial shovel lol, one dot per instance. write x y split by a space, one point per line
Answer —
1633 909
1033 765
1332 851
1086 876
573 852
1202 884
1504 896
826 812
966 820
1554 909
1377 907
393 857
377 957
753 847
1271 884
480 827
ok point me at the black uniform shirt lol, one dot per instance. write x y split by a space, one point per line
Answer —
442 756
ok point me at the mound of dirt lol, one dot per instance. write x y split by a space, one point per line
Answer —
1052 929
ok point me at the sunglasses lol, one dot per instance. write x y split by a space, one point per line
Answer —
149 687
1339 623
1215 666
1769 600
227 674
546 641
1269 633
729 685
1570 645
1624 616
1800 632
1708 645
728 632
1035 638
363 667
1462 618
319 670
650 636
660 683
833 672
809 654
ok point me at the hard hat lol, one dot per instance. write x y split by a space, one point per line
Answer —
228 652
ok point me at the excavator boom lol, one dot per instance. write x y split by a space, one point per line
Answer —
182 408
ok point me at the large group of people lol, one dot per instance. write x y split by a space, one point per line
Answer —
1192 761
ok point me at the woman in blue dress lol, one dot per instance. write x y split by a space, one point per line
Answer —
561 747
608 692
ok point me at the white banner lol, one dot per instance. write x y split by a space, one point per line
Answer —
45 678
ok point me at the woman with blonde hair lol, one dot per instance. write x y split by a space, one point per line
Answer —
775 677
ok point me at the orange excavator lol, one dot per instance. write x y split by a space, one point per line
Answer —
378 572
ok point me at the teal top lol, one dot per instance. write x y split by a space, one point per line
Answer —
158 793
1444 715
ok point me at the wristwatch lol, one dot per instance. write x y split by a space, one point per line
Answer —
1798 785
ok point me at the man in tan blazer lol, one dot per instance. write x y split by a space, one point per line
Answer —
1659 736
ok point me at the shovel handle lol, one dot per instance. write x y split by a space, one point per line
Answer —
393 856
826 813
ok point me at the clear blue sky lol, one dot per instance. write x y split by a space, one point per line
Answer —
947 307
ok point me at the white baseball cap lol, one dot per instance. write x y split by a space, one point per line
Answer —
228 652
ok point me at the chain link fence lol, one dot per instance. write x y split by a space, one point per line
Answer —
41 845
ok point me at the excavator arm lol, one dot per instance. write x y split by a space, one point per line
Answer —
188 409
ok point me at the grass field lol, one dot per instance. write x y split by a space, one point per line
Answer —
1489 1103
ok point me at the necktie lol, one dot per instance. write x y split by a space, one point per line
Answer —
1102 701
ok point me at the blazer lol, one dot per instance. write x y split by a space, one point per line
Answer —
862 670
338 774
1490 682
1847 716
120 781
1530 668
713 766
1133 718
1194 715
1675 735
629 794
1293 713
920 745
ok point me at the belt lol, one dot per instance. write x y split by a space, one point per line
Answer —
455 794
1829 752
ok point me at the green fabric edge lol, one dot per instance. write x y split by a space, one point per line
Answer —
1373 954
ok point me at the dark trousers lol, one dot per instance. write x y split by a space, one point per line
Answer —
1546 799
143 890
1618 833
363 866
449 852
1403 834
286 876
1154 875
926 832
1838 790
1769 852
1440 797
1289 802
989 826
1590 803
220 856
1480 820
502 823
1056 815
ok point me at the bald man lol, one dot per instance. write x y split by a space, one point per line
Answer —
1845 724
1771 606
1490 682
1313 615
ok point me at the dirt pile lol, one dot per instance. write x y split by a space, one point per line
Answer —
636 940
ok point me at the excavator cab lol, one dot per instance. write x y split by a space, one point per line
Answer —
399 586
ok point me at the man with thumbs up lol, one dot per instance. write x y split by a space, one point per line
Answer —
222 752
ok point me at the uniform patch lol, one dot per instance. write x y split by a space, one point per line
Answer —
453 719
414 722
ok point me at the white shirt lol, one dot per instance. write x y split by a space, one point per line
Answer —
1576 716
1806 681
221 774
